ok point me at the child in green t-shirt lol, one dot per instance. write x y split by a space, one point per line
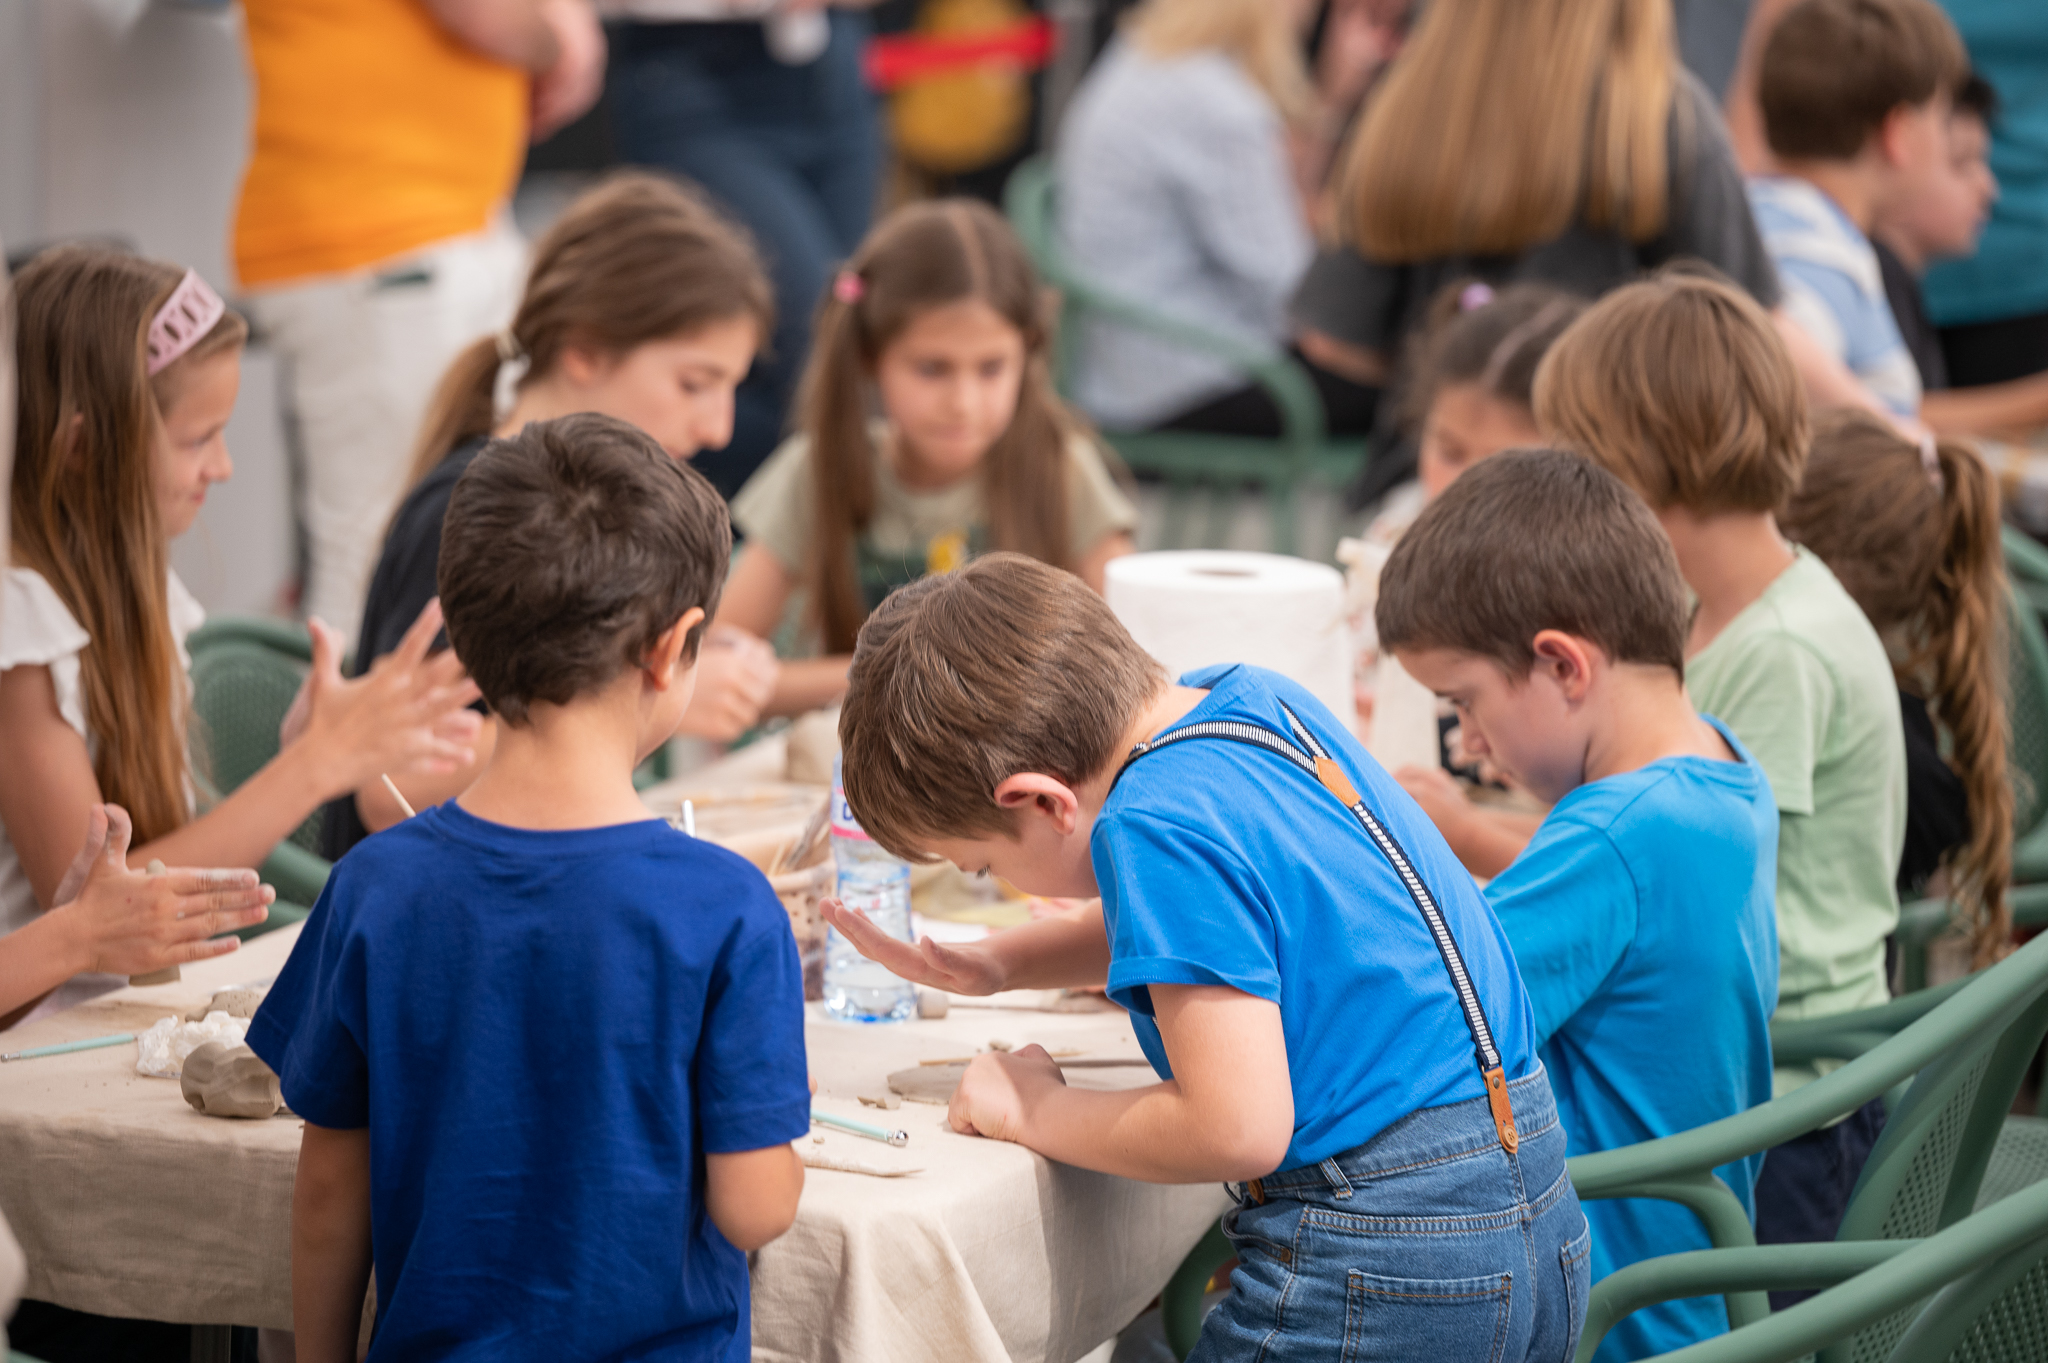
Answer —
1680 386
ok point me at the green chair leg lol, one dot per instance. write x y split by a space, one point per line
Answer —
1180 1305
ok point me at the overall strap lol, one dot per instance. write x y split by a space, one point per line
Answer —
1307 752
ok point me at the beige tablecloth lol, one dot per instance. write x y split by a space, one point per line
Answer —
129 1203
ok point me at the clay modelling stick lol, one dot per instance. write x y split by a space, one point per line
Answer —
392 786
873 1133
67 1047
690 818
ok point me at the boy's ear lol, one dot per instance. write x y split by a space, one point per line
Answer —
663 661
1568 660
1031 790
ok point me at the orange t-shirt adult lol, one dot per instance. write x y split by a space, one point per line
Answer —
376 133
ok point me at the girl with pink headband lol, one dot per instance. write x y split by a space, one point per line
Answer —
128 371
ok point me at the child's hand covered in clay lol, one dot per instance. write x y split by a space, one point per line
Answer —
957 970
999 1088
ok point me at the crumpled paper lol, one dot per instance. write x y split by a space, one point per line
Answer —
161 1050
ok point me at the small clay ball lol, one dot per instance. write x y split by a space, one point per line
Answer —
236 1003
229 1081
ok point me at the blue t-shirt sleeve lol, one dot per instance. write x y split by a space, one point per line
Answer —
1184 909
310 1027
752 1090
1568 906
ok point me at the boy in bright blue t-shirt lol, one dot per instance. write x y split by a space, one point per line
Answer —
549 1050
1332 1010
1642 913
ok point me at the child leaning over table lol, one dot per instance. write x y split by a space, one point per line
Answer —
572 1036
1333 1012
1641 914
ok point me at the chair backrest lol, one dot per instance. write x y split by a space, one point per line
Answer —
1028 202
1998 1314
2027 565
1925 1170
244 676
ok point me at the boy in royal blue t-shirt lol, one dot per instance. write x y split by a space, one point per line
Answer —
1332 1010
1642 912
549 1050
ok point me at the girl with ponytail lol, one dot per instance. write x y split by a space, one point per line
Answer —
642 303
1912 532
930 433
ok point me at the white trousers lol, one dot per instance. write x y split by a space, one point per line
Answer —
365 351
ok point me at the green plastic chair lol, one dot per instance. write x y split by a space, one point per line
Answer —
1191 463
1982 1282
1964 1054
2026 566
245 672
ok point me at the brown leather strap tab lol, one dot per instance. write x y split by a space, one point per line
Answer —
1503 1111
1256 1191
1336 782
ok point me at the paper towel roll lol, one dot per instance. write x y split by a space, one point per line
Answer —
1193 608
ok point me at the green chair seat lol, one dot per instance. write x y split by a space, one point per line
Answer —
1193 465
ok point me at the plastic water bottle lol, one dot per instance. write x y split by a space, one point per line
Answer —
878 884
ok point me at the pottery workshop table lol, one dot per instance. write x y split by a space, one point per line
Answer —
129 1203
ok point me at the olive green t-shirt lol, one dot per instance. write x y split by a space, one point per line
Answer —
914 532
1803 680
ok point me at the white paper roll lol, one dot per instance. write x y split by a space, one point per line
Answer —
1192 608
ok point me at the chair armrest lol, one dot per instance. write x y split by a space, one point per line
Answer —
2019 1222
1726 1272
296 874
1992 997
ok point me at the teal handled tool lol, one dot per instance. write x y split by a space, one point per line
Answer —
873 1133
67 1047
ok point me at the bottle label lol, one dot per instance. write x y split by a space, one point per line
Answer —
844 825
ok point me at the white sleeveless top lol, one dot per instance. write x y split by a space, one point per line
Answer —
36 630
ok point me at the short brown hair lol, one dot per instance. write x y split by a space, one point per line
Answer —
1834 70
1469 576
567 551
1679 386
962 680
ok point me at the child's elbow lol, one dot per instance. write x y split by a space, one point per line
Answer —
1253 1148
751 1211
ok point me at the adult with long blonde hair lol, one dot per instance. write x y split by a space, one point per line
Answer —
1557 141
1178 188
127 371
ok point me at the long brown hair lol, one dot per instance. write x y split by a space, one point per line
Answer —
637 258
1503 121
83 510
925 256
1918 549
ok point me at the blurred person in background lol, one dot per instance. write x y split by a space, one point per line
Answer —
1190 165
373 239
761 102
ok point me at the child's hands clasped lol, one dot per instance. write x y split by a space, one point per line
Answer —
957 970
999 1090
407 714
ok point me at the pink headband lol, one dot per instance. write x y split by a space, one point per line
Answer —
191 311
848 287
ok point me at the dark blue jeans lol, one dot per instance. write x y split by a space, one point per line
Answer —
1804 1188
1429 1241
793 152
